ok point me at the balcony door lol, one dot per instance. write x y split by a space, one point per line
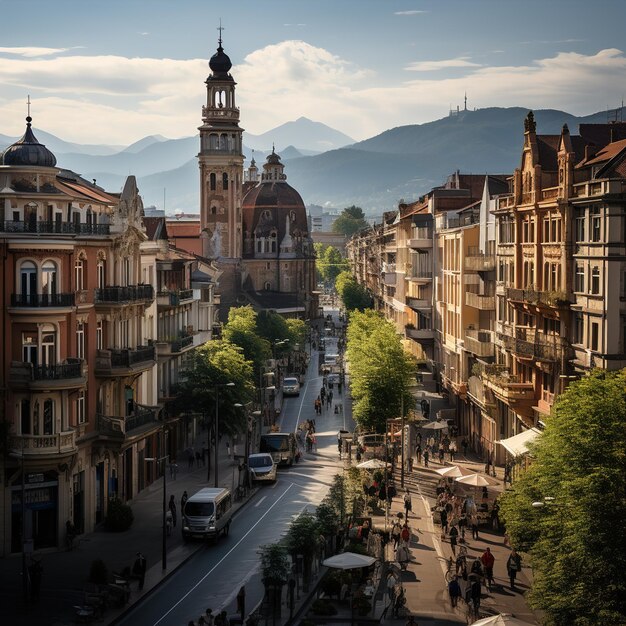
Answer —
30 348
30 218
48 347
49 279
28 281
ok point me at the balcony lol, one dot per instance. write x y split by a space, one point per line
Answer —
529 344
480 263
419 334
115 427
480 343
508 387
174 346
168 299
389 278
552 299
55 228
421 276
111 363
418 303
480 301
424 239
124 295
43 300
41 446
69 375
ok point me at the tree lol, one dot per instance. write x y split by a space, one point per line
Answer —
297 332
303 538
329 263
353 295
216 363
381 370
351 220
241 330
577 541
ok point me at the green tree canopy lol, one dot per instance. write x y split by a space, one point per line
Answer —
381 370
353 295
297 332
216 363
351 220
330 262
241 330
577 541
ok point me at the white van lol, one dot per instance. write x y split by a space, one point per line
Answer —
207 514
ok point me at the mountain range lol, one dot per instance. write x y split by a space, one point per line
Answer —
326 166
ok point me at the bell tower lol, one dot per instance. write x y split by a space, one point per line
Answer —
221 163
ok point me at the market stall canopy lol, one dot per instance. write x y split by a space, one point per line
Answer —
435 425
373 464
349 560
518 444
453 471
501 620
476 480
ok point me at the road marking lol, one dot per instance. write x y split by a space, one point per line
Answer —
223 558
259 502
443 562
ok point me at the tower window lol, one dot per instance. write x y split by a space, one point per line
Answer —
224 181
212 182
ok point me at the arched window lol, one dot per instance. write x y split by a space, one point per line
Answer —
101 273
212 183
224 181
28 280
49 285
48 345
79 273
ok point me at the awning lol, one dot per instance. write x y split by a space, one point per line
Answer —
518 444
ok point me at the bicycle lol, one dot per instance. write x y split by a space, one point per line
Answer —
450 571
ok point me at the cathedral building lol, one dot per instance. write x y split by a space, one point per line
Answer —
256 233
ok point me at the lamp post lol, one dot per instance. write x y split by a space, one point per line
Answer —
217 425
164 535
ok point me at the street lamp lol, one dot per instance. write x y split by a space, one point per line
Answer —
164 537
217 424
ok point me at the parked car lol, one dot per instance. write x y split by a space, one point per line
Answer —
262 467
291 386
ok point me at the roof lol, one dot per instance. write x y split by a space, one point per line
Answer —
183 229
605 154
273 194
92 194
155 228
548 146
276 301
28 151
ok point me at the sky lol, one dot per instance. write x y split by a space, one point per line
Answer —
114 71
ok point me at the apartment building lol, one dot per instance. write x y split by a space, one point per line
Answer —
79 385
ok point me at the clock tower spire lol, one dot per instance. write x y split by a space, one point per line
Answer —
221 163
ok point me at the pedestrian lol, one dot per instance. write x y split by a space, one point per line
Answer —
405 534
441 453
407 503
172 507
454 590
183 499
418 452
391 585
487 559
209 618
323 393
35 571
426 457
464 443
475 593
443 514
513 565
454 536
452 450
139 569
329 399
396 530
474 525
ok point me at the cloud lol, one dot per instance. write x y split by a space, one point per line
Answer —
412 12
32 51
432 66
115 99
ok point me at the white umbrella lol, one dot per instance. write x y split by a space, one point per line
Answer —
435 426
501 620
453 471
348 560
373 464
476 480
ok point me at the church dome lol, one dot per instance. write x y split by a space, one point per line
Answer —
220 62
28 151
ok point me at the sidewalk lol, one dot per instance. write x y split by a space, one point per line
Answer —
65 573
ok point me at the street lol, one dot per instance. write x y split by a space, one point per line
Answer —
214 575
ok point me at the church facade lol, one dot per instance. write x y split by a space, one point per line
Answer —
255 232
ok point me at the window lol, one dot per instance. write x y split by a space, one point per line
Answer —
126 272
578 326
101 274
28 279
29 347
579 224
99 335
49 278
225 181
48 417
48 346
212 181
595 331
80 408
595 224
79 274
595 280
124 334
80 340
579 278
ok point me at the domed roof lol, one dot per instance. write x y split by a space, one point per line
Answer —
28 151
220 62
273 194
